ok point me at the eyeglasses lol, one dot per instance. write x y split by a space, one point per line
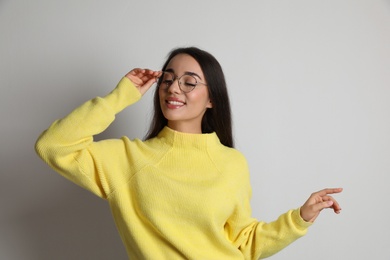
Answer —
187 82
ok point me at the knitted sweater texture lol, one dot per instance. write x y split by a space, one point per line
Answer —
175 196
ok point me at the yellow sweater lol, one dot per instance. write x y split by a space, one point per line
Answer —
176 196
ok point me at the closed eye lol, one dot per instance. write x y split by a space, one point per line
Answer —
189 84
167 82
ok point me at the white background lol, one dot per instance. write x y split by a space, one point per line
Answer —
309 82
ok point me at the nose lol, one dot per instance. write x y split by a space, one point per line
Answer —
174 87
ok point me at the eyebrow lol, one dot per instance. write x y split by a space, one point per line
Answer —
185 73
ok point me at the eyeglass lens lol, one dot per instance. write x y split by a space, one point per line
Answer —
186 82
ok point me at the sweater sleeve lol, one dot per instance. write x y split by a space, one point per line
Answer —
258 239
68 146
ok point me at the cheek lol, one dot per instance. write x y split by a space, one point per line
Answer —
201 98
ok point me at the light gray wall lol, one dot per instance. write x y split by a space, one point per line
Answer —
310 88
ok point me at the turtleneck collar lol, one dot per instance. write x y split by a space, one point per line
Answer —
176 138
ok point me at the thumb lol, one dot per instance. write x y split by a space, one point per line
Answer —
323 205
146 86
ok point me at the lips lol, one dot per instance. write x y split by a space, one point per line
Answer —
173 102
176 103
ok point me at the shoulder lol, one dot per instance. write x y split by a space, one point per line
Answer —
229 159
232 153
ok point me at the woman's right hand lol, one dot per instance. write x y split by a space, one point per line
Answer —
143 79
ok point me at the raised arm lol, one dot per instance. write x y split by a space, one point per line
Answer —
68 146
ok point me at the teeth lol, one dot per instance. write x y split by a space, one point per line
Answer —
176 103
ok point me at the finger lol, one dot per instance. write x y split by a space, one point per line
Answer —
322 205
336 206
146 79
332 203
146 86
136 71
146 74
155 74
149 71
136 80
143 79
328 191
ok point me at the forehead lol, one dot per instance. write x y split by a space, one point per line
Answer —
182 63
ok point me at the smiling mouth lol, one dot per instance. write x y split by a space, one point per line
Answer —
175 103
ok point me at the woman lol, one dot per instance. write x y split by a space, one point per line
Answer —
184 192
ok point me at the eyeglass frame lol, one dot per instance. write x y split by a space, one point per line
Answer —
192 74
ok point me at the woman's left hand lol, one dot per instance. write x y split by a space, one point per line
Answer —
317 202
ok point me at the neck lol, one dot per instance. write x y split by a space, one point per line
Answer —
184 127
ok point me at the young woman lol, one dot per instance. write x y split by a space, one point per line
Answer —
184 192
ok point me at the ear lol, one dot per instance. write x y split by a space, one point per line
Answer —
209 104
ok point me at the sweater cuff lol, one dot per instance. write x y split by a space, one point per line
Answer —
125 94
299 221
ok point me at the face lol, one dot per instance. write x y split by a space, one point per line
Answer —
184 111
